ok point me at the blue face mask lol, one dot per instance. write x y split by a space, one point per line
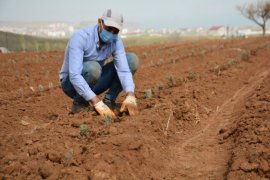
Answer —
106 36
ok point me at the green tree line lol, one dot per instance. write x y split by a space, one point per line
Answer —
17 42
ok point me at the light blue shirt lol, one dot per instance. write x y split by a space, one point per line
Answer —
84 46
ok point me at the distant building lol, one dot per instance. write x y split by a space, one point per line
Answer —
218 31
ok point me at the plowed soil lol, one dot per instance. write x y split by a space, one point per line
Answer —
208 117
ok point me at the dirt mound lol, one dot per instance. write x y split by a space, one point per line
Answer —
250 133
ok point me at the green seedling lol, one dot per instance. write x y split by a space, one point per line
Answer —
50 86
107 121
69 155
107 118
21 92
243 56
230 62
40 88
83 130
192 75
171 79
216 69
148 93
152 63
254 152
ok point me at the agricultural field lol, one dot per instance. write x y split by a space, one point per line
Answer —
204 114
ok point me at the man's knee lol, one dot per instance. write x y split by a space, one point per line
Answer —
91 71
133 62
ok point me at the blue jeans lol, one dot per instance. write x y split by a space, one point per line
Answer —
100 79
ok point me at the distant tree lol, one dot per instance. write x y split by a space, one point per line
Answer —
258 12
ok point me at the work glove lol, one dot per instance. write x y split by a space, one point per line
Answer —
129 105
104 110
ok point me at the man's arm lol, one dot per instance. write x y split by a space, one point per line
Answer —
76 50
122 68
126 79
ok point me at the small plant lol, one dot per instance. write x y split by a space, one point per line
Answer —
171 79
40 88
243 56
230 62
254 152
107 118
83 130
144 55
152 63
69 155
192 74
216 69
21 92
148 93
50 86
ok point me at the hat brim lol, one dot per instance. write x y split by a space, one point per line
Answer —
111 23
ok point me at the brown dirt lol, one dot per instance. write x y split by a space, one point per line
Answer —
209 121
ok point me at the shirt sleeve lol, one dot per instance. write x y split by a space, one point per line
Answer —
76 51
122 68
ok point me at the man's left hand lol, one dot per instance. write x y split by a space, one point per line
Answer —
129 105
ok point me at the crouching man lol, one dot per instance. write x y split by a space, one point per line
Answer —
84 73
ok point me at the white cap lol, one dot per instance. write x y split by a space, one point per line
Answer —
113 18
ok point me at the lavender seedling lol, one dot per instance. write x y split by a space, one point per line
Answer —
83 130
216 69
171 79
69 155
230 62
50 86
191 75
40 88
21 92
107 118
148 93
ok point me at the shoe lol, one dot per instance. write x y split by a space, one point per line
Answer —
79 107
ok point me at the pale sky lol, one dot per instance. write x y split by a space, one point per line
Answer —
147 13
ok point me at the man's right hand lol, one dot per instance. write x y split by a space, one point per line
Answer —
104 110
